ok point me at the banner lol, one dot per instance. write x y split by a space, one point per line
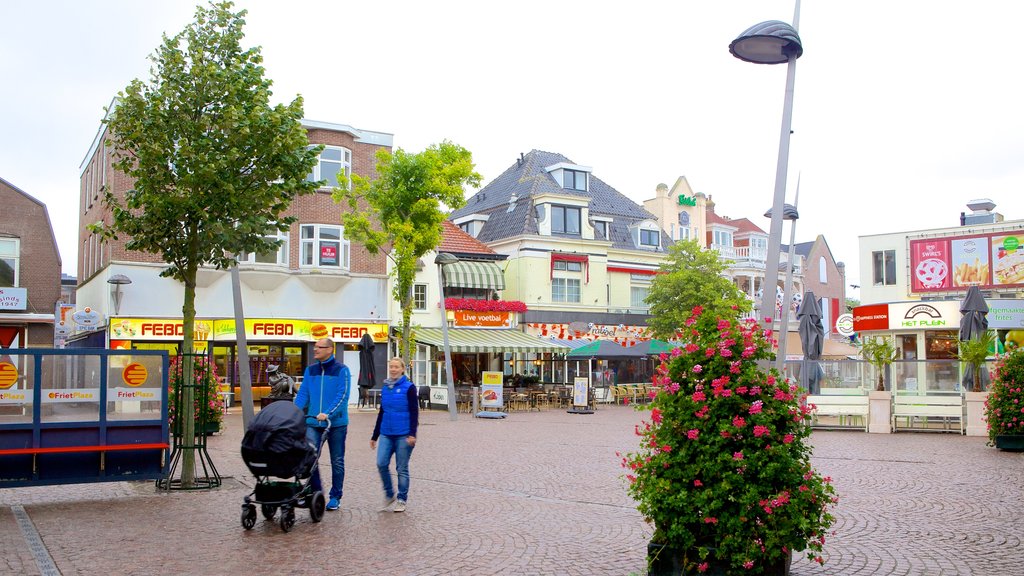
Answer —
993 260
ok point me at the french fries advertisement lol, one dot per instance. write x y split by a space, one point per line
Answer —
970 262
975 274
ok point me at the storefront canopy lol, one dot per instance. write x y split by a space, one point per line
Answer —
468 340
465 274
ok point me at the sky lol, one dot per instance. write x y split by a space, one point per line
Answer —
903 111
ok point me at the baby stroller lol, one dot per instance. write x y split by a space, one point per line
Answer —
275 446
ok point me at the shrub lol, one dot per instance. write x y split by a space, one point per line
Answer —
1004 408
723 471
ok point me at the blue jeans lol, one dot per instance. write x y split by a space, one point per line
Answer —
336 444
397 445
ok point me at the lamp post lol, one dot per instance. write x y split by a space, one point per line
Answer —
788 213
774 42
442 259
116 281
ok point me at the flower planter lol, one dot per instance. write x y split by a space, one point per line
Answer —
975 404
211 428
665 560
1010 442
879 412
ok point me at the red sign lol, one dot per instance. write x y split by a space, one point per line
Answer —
929 265
273 329
134 374
329 254
163 329
871 317
483 319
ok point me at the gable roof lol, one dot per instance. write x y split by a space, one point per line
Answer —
526 179
802 248
455 241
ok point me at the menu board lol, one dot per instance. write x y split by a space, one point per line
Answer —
957 262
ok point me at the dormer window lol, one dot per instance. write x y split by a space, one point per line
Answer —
650 238
565 220
600 230
574 180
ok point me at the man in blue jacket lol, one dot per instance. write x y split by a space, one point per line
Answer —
324 395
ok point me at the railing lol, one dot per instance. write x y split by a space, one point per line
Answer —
920 376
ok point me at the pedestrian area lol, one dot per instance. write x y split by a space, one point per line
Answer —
535 493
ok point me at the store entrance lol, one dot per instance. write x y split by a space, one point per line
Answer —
288 356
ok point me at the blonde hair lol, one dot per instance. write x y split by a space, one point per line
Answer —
400 360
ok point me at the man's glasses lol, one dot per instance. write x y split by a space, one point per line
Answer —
324 347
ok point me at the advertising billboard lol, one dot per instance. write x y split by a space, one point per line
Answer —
957 262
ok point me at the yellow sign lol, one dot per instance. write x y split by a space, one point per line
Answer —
264 329
157 329
8 375
491 378
349 332
134 374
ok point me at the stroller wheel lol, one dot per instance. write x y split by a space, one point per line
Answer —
248 517
316 506
268 510
287 519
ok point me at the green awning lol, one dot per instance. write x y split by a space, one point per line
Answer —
469 340
463 274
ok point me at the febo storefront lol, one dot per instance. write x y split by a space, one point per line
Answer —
930 331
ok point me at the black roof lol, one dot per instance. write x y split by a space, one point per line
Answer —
527 178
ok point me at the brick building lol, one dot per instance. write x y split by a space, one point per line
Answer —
317 282
29 271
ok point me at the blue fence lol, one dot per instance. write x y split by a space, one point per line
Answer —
82 415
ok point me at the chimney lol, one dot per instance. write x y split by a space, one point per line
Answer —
981 213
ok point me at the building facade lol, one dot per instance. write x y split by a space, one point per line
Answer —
316 284
30 271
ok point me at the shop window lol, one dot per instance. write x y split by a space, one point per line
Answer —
419 297
940 345
278 256
10 251
333 161
884 264
565 290
324 246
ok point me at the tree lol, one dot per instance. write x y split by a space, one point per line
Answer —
214 165
691 276
405 210
974 352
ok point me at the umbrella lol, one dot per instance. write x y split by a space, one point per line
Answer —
973 323
653 347
812 340
605 349
367 371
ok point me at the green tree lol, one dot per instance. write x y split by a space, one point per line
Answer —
880 352
691 276
214 165
974 352
402 209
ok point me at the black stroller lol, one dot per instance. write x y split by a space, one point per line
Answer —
275 446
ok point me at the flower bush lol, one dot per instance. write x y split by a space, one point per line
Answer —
1004 408
484 305
208 403
723 471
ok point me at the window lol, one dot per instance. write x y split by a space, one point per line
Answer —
822 270
565 289
324 246
722 238
9 253
601 230
419 297
650 238
637 296
333 161
574 180
568 266
565 220
278 256
884 264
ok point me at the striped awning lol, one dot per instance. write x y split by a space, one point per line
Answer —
469 340
463 274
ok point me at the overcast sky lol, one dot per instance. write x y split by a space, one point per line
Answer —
903 111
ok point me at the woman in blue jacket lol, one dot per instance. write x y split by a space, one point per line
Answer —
396 425
324 395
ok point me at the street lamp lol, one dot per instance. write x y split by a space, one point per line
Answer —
774 42
442 259
116 281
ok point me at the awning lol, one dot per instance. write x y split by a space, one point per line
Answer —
463 274
468 340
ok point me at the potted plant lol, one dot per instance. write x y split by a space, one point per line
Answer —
1004 408
974 352
880 353
723 470
209 405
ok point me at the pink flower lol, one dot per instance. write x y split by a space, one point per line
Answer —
755 408
760 430
711 520
787 439
692 434
698 483
698 396
702 567
666 448
697 369
748 564
697 310
737 455
656 415
691 347
739 422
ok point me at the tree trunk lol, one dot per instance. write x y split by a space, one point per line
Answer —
188 378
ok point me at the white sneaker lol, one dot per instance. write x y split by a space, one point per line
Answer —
387 503
400 506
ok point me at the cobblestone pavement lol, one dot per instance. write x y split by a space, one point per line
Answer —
536 493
